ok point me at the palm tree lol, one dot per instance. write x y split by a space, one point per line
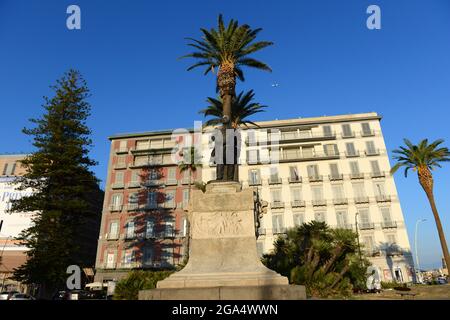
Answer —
190 165
227 48
242 108
424 158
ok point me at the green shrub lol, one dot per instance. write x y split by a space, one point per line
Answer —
128 288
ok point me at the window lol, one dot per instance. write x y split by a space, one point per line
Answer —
364 217
140 160
370 147
253 156
128 257
391 239
110 259
293 174
273 175
169 229
185 198
133 198
334 170
158 143
338 192
113 230
317 193
386 214
116 201
299 219
130 229
291 153
135 178
9 168
288 135
379 189
171 175
150 228
142 144
319 216
166 256
123 145
359 191
347 131
121 161
277 223
304 134
307 152
170 198
313 171
119 178
327 131
183 227
254 177
276 195
341 219
354 168
368 243
331 149
151 200
147 258
296 194
350 148
366 131
153 175
186 176
375 167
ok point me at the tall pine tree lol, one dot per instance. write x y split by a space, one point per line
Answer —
66 195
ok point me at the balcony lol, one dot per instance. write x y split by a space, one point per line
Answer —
112 236
129 265
117 185
121 165
134 184
256 182
366 226
115 207
383 198
121 150
359 200
297 204
261 232
319 203
346 135
341 201
162 147
168 234
379 174
276 204
151 183
279 230
171 182
356 175
274 180
317 178
143 164
132 207
345 226
352 154
336 177
298 137
297 155
372 152
389 225
295 179
368 133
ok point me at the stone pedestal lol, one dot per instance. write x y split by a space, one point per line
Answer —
223 257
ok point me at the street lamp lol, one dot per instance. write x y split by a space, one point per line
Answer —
357 237
417 252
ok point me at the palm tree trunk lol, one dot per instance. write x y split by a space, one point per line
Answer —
426 181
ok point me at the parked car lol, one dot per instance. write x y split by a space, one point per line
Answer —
6 295
21 296
442 280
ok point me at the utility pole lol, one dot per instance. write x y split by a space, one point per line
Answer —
418 274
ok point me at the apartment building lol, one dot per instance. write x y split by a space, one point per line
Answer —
333 169
143 224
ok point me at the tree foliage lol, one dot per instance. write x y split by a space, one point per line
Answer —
128 288
325 260
65 193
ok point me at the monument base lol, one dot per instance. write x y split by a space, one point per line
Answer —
272 292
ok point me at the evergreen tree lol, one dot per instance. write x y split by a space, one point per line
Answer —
66 194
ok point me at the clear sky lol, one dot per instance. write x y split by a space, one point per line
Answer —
325 61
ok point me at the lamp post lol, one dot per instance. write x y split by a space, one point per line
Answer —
1 259
357 237
417 251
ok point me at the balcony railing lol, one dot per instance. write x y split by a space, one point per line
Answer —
340 201
115 207
362 200
317 178
383 198
121 150
132 207
277 204
372 152
151 183
335 177
274 180
352 154
356 175
261 231
297 203
295 179
379 174
298 155
117 185
389 224
345 226
134 184
279 230
120 165
321 202
256 182
283 137
350 134
108 265
171 182
367 133
366 226
112 236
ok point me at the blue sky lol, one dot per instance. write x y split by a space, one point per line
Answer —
325 60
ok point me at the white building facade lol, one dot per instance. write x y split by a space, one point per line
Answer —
333 169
